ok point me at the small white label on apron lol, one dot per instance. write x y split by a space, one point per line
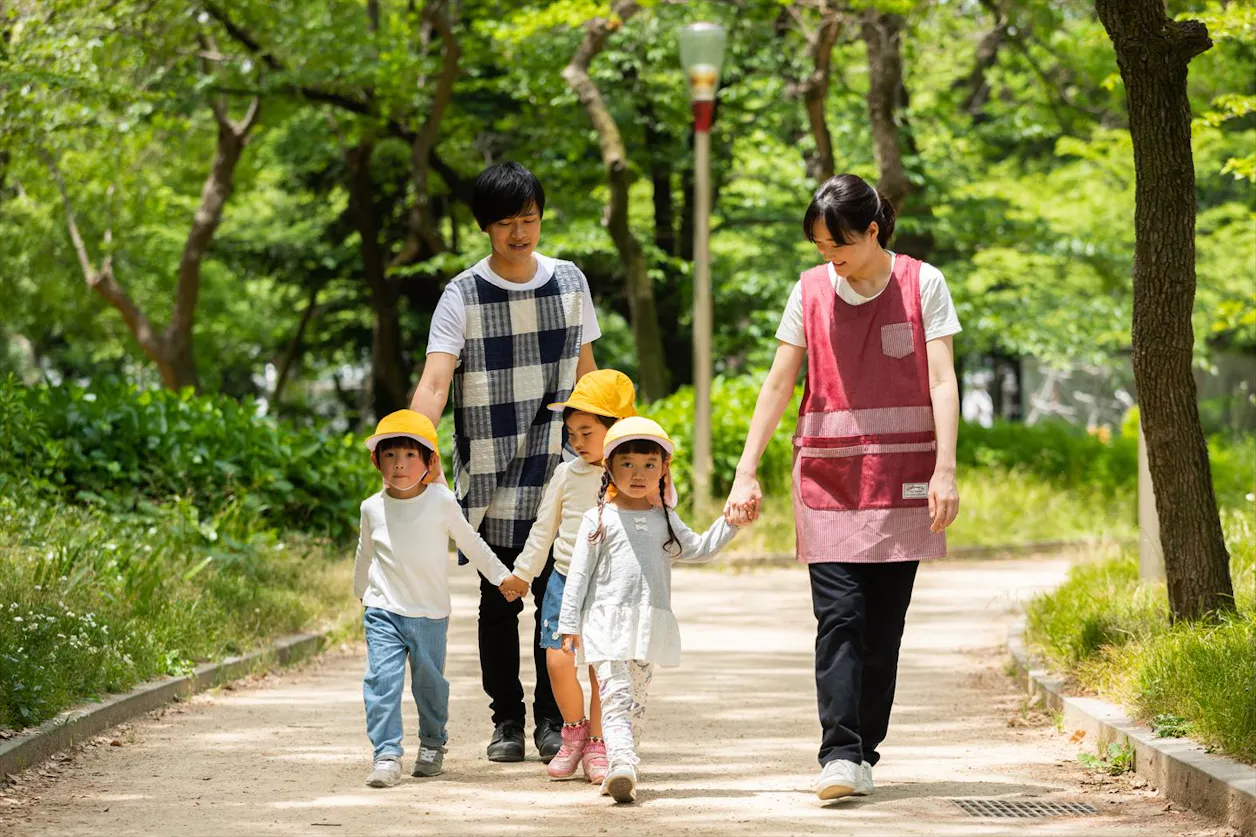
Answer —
915 491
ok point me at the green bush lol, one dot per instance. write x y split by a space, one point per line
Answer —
732 405
119 447
1112 635
95 601
1062 454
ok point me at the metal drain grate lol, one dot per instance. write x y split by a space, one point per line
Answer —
1019 809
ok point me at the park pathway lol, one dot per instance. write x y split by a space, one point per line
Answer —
729 746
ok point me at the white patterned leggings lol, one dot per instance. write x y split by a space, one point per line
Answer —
622 685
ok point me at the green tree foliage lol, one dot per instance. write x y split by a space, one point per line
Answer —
1019 156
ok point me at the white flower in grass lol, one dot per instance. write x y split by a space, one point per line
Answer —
38 587
18 619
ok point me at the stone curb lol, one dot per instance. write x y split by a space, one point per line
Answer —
784 559
75 726
1179 768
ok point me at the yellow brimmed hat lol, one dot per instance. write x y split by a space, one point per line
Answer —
602 392
636 427
405 423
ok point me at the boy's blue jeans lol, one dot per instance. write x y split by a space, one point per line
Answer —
390 639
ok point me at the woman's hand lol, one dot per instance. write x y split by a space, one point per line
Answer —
943 500
570 643
742 507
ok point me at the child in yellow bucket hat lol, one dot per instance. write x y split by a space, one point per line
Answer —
401 575
617 606
600 399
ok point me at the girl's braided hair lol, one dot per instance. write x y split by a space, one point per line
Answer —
640 446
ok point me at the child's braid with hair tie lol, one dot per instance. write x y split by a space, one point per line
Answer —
596 534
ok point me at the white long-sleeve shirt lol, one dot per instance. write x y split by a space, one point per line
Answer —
571 492
402 563
618 596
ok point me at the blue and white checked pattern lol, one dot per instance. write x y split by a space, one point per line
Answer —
521 353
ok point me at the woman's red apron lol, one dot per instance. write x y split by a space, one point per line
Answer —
865 446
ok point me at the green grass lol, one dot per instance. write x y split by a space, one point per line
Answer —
95 603
1112 636
996 508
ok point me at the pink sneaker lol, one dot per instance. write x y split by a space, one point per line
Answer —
565 762
594 761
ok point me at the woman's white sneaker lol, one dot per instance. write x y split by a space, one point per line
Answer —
864 785
838 779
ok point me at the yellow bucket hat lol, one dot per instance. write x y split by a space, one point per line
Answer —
602 392
405 423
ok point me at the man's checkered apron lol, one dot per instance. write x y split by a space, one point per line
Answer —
521 352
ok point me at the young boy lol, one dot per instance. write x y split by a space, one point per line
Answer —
401 575
513 335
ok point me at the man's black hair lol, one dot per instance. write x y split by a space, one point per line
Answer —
505 190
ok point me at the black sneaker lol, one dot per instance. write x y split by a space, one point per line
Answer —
548 738
507 743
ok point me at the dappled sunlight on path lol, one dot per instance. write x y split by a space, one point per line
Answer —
729 745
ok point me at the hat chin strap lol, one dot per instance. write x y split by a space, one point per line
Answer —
414 484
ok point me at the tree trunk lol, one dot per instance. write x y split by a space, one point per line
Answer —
883 34
661 183
1153 53
171 349
424 239
294 350
644 315
976 85
684 245
815 91
389 377
891 135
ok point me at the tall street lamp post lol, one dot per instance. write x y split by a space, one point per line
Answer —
701 54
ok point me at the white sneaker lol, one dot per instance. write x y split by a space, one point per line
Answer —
864 785
838 779
621 783
386 773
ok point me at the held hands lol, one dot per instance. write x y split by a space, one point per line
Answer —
943 500
513 588
744 500
570 643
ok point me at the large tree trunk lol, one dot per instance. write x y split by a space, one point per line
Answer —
389 376
171 349
644 315
1153 52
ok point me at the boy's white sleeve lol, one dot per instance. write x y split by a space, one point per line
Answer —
469 541
365 554
541 536
694 548
583 563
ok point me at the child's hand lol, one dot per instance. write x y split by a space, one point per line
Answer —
513 588
570 643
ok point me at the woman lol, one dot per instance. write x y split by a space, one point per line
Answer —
874 459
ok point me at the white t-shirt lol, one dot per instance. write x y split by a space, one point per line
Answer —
402 562
936 308
449 321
